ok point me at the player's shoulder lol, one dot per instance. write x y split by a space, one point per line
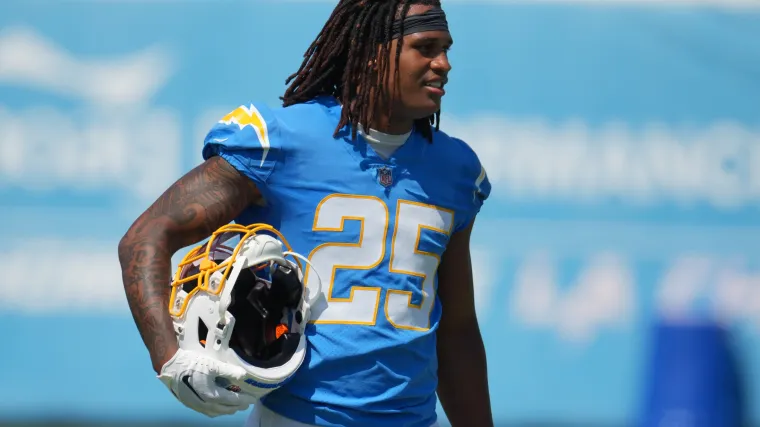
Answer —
298 125
249 125
463 164
256 124
304 113
452 150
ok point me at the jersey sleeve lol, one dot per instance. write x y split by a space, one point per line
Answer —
248 139
479 189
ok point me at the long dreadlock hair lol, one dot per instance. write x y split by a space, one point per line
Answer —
336 62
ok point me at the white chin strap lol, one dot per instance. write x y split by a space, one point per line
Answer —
308 299
225 299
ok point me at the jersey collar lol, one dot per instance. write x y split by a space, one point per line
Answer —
411 150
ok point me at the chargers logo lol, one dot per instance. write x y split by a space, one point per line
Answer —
479 192
249 116
245 116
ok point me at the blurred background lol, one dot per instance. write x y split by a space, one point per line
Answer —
617 262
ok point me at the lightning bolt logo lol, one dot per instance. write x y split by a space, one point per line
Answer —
478 182
249 116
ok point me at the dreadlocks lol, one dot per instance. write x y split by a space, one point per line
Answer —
336 62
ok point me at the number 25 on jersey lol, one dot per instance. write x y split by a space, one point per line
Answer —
362 305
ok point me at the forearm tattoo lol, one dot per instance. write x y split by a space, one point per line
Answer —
209 196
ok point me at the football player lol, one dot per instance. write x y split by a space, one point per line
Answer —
353 170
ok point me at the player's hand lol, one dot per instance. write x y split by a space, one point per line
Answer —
194 380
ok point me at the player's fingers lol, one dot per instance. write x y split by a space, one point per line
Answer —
189 396
221 409
232 373
208 410
213 389
192 400
235 398
225 375
200 392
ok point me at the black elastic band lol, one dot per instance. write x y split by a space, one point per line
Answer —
431 20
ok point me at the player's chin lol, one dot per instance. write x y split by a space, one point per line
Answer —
427 108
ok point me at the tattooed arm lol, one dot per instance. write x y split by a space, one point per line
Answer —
206 198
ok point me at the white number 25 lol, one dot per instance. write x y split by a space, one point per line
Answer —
362 304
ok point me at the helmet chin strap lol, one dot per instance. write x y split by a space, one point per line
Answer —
225 299
307 300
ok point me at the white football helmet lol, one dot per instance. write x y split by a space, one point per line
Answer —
244 305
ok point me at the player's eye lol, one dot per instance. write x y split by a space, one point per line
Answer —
431 49
425 48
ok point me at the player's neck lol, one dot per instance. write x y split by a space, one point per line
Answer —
383 122
386 122
395 126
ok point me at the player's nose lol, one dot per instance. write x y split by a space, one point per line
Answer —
441 64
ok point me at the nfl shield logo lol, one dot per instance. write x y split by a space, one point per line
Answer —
385 176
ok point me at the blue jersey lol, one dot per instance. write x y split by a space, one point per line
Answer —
375 230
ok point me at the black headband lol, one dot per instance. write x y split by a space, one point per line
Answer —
431 20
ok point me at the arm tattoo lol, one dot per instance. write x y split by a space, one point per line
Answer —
209 196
